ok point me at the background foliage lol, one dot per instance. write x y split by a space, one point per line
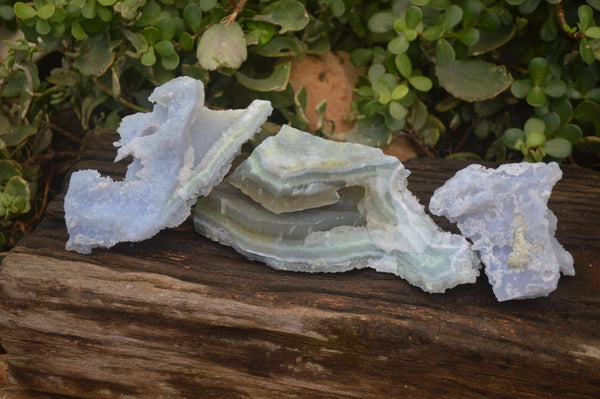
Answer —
482 79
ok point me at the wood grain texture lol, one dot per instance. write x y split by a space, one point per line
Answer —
179 316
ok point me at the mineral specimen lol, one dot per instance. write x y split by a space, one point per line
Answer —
503 211
181 150
303 203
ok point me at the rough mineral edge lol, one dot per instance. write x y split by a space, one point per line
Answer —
303 203
181 150
504 212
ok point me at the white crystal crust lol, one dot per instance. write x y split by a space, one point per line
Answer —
180 151
504 212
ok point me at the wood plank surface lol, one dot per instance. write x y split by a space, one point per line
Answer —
179 316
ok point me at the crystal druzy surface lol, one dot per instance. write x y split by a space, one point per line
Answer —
504 212
180 151
303 203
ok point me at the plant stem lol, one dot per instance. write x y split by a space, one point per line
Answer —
562 21
120 99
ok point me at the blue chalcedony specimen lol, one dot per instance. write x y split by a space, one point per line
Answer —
504 212
180 150
303 203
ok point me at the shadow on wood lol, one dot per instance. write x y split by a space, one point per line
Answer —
179 316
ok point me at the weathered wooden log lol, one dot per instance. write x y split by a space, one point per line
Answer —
179 316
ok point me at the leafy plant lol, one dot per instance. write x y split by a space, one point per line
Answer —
482 79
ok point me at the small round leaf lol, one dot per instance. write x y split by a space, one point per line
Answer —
398 45
46 11
433 33
421 83
558 148
24 11
534 125
536 97
444 52
555 88
535 139
222 46
404 65
468 36
413 17
452 16
538 70
512 137
520 88
397 110
148 58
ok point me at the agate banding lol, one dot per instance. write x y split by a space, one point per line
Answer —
303 203
180 150
504 212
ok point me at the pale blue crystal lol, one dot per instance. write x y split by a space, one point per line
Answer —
303 203
180 151
504 212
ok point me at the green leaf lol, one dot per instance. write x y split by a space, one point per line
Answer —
8 169
552 122
555 88
473 80
369 131
151 34
520 88
468 36
361 56
536 97
587 111
512 137
137 40
89 9
42 27
186 42
166 27
290 15
24 11
586 51
18 187
444 53
259 32
433 33
222 46
538 70
593 32
404 65
148 58
586 17
192 15
570 132
277 81
594 3
381 22
529 6
281 46
46 11
96 55
397 110
421 83
398 45
104 13
399 92
489 41
535 139
413 17
207 5
534 125
107 3
558 148
452 16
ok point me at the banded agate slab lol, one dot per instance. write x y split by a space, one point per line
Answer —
303 203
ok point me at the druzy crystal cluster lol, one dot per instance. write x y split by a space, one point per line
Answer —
303 203
504 212
180 151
